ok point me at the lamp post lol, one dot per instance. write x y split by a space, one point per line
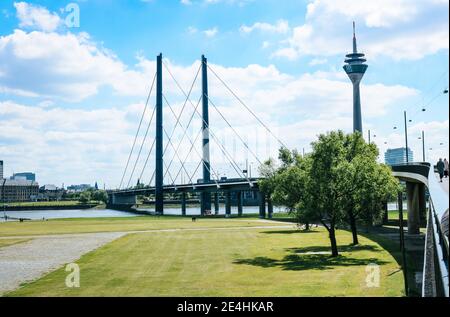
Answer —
406 139
370 136
423 145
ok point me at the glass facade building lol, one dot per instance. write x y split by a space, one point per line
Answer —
398 156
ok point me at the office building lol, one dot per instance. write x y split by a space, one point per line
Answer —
17 190
24 176
398 156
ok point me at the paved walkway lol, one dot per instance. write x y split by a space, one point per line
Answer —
30 260
444 184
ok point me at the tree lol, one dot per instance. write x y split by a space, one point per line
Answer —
323 190
100 196
339 182
85 197
364 183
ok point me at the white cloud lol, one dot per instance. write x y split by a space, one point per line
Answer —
318 61
65 66
82 145
192 30
398 29
36 17
282 27
211 32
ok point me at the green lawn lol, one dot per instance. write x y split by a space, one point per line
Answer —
394 215
86 225
226 263
7 242
45 203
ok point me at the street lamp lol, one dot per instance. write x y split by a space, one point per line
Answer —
423 145
406 136
370 136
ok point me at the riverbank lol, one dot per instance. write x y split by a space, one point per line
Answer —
50 205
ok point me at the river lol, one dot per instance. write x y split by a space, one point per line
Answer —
108 213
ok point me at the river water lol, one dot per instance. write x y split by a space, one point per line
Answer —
108 213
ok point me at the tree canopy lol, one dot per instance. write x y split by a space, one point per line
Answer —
339 182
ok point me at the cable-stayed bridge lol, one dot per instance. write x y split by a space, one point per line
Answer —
210 186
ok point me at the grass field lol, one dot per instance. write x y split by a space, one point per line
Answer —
87 225
394 215
259 262
45 203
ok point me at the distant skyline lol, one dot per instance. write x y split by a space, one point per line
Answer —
71 97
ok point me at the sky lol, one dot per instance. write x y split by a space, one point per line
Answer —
75 76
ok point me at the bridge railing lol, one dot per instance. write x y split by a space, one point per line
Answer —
435 273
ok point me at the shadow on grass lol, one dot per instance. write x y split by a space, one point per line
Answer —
290 232
295 262
343 248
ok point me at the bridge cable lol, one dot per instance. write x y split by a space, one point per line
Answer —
234 130
185 132
184 104
176 153
192 144
248 108
137 132
142 145
212 134
210 170
148 157
187 156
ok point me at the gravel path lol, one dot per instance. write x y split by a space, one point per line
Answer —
30 260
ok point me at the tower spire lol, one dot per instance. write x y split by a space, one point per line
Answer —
355 49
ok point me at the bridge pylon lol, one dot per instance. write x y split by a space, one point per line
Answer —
159 172
205 196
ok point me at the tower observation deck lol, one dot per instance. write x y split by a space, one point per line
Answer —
355 68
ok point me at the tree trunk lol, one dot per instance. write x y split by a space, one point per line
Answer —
307 226
334 250
352 220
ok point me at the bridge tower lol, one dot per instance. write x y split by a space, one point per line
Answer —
159 172
355 69
205 196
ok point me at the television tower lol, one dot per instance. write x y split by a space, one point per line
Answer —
355 69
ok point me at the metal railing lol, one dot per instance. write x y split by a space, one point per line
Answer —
435 273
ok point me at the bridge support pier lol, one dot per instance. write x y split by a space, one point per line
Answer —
262 205
183 204
239 203
216 203
416 206
227 204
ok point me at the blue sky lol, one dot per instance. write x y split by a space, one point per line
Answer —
70 97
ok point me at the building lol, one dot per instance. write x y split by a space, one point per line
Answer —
78 188
18 190
398 156
26 175
1 170
50 192
355 68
